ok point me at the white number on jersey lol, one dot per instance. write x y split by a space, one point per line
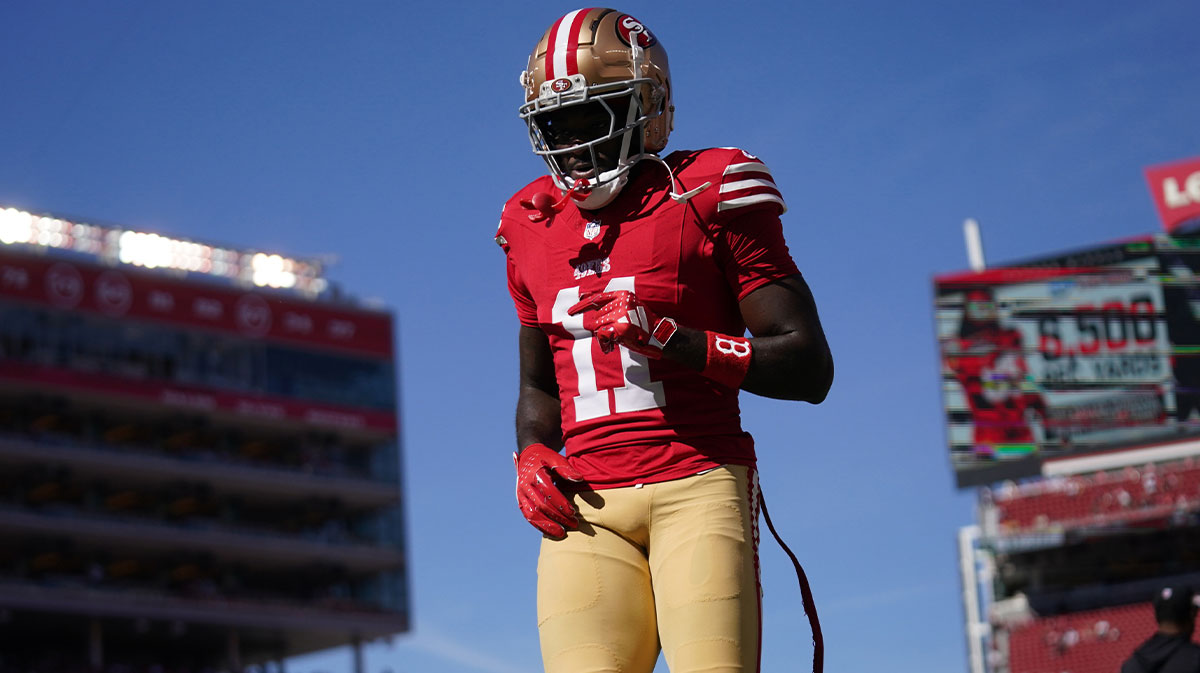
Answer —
639 392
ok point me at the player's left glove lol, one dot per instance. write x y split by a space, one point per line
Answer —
620 318
540 500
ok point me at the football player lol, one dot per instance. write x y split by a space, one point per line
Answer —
988 360
635 277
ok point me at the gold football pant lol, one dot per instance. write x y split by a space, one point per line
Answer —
671 565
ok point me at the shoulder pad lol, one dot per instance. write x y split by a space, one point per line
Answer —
742 179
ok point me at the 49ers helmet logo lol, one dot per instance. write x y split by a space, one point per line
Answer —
627 27
560 85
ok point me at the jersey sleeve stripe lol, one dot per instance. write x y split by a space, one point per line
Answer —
754 166
730 204
747 184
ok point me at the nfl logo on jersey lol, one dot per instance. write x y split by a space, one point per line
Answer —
592 230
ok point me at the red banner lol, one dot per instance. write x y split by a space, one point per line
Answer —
123 291
201 399
1176 191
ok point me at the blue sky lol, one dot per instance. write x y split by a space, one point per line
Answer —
385 136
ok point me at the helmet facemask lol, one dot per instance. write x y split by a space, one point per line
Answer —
602 126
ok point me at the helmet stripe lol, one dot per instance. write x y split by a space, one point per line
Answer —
560 46
550 49
573 41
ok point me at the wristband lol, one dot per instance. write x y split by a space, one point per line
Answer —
727 359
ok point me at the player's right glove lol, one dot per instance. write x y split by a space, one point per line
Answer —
539 499
620 318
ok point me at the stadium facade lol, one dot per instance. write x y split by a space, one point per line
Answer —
199 456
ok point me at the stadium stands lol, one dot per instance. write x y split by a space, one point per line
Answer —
1096 641
1122 496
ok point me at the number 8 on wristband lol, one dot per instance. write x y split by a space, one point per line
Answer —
727 359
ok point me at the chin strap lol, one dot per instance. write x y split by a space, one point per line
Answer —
810 606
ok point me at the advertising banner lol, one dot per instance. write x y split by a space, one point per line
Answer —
1044 360
127 292
1176 191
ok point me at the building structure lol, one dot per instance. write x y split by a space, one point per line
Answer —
199 455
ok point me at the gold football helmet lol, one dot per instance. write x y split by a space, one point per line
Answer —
597 64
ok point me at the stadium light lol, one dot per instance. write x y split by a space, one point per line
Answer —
154 251
273 271
16 226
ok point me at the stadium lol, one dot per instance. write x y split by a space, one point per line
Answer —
199 456
1071 384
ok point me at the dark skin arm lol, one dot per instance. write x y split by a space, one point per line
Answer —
791 358
539 419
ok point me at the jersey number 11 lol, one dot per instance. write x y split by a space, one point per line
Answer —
638 393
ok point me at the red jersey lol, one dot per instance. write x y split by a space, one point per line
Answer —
627 419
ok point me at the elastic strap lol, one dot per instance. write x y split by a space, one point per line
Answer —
810 606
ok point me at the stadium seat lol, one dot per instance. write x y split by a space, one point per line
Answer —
1096 641
1090 500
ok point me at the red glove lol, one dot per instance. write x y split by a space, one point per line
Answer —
539 499
619 317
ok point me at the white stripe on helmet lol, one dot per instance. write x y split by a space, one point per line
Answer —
561 39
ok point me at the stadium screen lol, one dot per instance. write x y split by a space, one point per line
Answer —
1090 351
